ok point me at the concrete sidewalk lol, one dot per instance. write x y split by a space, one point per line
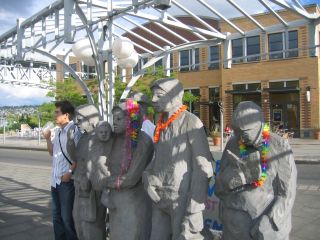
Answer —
304 150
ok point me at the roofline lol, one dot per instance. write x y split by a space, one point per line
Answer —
268 12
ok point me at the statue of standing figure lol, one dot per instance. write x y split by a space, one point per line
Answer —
177 178
132 150
257 180
89 213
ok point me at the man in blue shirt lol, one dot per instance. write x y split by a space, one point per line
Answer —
62 149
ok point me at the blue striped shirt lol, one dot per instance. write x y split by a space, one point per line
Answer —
60 164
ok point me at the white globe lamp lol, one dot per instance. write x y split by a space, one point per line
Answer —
122 47
129 62
82 50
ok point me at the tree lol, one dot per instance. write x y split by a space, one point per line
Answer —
68 90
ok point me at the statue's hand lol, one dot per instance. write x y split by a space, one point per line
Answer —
153 194
150 184
263 229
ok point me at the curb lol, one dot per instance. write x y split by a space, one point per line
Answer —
23 148
298 159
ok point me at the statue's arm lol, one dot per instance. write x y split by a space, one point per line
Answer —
202 168
286 182
138 165
141 158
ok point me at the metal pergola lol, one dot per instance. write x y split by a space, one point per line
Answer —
101 21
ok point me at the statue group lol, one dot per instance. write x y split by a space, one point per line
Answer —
153 180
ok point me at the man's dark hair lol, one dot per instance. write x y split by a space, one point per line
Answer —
65 107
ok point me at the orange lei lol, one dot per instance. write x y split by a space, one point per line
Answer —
161 126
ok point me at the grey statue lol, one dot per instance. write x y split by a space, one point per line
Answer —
255 212
128 204
177 178
89 213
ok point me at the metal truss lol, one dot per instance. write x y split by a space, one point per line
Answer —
61 23
27 76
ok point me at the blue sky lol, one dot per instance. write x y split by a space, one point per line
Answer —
10 10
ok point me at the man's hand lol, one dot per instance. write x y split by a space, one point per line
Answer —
66 177
47 134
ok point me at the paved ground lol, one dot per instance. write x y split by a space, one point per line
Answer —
25 205
25 197
304 150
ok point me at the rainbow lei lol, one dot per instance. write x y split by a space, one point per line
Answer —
264 155
132 131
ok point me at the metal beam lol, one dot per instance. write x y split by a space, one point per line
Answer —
149 31
137 35
194 16
266 5
295 8
209 7
175 19
72 72
246 14
98 62
136 44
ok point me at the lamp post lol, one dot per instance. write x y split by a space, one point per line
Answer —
3 122
39 128
221 124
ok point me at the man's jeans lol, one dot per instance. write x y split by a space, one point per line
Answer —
62 205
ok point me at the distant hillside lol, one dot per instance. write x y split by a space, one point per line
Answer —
18 110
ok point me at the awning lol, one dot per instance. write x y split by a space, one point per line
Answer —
243 91
282 90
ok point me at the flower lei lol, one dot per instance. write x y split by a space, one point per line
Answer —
132 130
264 155
161 126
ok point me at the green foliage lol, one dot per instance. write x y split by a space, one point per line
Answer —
68 90
119 87
188 97
46 111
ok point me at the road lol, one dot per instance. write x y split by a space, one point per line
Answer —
25 157
25 198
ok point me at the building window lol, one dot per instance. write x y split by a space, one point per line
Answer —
171 62
292 44
214 57
194 106
275 43
253 48
250 96
196 59
188 59
237 50
185 60
284 84
73 66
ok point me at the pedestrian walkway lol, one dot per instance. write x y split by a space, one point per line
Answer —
25 205
25 211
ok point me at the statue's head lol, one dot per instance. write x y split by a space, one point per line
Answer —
103 131
123 113
247 123
142 100
86 117
167 94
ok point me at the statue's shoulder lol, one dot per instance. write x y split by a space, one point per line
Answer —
278 142
192 120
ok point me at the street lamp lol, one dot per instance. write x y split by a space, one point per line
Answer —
3 123
308 94
162 4
39 127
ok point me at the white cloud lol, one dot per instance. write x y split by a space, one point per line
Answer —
21 95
